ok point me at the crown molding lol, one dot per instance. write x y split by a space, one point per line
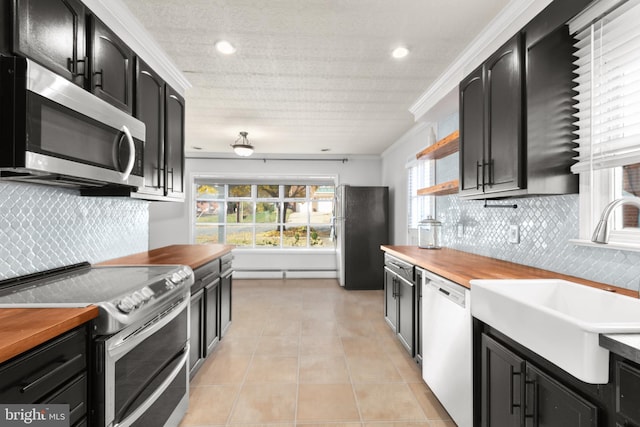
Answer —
116 15
507 23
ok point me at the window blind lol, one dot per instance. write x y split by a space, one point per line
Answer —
420 175
608 84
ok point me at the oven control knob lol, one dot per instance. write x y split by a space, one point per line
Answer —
147 293
137 298
176 278
126 305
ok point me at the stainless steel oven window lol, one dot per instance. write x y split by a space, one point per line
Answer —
145 365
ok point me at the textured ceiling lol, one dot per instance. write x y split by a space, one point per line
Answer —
309 74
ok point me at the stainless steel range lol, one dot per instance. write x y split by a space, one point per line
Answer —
140 338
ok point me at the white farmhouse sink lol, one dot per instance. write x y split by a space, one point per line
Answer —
557 319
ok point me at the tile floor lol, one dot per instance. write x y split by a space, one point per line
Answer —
308 353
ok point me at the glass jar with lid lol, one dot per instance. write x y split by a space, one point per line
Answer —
429 233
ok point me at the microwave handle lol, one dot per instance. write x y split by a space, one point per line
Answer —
132 153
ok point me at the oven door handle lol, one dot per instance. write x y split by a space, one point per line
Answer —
157 393
129 341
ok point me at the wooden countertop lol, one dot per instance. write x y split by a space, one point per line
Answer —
22 329
462 267
192 255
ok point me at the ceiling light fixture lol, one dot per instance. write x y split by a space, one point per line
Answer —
225 47
241 146
400 52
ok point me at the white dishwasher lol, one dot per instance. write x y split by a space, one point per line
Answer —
446 347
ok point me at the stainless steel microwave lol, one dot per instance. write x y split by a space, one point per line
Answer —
57 133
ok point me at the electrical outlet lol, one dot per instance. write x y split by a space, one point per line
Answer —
460 230
514 234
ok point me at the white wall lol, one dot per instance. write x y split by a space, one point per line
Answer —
394 175
170 223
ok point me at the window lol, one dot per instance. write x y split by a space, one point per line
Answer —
264 215
419 175
608 103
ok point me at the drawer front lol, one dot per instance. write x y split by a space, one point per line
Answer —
401 268
74 395
32 376
205 274
226 262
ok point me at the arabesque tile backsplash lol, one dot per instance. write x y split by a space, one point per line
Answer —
45 227
546 226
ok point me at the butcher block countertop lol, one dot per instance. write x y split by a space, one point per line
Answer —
462 267
192 255
22 329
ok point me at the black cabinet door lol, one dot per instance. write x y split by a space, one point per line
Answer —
627 393
418 318
390 301
226 286
111 67
174 143
501 385
551 404
406 313
196 349
52 32
149 108
211 316
503 131
472 133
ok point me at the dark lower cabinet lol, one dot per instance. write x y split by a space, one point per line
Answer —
627 394
52 32
55 372
400 301
212 315
226 284
418 316
196 344
515 392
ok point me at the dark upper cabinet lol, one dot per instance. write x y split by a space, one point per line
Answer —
174 144
52 33
472 133
111 67
149 108
490 124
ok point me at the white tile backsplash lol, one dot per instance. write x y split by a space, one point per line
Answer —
45 227
546 225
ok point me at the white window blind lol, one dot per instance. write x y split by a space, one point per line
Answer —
608 84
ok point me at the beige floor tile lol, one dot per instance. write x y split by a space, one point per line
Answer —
361 346
439 423
237 345
278 346
202 412
322 368
263 403
401 424
429 403
388 402
316 327
327 402
222 369
321 345
306 424
273 369
282 327
372 368
245 328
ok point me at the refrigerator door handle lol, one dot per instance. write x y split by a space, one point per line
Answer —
332 232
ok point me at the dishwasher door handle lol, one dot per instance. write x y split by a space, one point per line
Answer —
444 291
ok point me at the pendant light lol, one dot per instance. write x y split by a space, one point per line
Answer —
241 146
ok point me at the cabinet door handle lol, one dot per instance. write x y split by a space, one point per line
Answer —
533 416
478 166
101 75
512 404
52 373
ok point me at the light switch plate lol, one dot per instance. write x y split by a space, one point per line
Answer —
514 234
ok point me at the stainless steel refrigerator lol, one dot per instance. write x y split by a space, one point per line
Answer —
361 223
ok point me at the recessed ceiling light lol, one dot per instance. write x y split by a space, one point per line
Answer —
400 52
225 47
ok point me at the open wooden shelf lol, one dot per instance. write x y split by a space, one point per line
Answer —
449 187
447 145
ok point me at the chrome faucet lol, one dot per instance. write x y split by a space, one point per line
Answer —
601 233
